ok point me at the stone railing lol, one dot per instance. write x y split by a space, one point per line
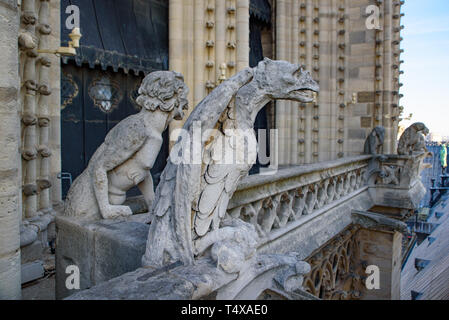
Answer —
273 202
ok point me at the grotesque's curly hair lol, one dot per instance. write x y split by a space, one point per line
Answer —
158 88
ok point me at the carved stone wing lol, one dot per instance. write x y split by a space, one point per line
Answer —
171 231
219 182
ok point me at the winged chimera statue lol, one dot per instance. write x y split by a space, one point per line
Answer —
192 199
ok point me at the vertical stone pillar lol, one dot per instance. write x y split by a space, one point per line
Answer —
242 21
384 250
54 107
395 59
28 41
281 52
44 90
317 23
176 45
203 36
310 60
220 36
199 88
10 198
380 245
295 107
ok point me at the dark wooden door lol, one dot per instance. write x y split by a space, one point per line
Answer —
93 102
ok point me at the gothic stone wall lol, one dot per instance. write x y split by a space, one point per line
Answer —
10 198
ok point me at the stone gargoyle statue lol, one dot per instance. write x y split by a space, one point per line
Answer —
375 141
413 140
190 211
129 151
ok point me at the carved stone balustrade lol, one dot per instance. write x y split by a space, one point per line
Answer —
325 214
275 204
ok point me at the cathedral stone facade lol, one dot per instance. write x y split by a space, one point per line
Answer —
351 48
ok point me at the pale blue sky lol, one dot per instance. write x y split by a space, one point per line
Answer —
426 63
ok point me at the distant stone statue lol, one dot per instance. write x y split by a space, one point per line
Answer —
129 151
413 140
375 141
190 211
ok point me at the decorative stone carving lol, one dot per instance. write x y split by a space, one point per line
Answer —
192 198
334 274
375 141
413 140
395 180
287 204
130 149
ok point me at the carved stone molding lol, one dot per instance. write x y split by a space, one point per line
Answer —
370 220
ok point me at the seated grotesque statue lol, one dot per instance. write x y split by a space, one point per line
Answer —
375 141
413 140
129 152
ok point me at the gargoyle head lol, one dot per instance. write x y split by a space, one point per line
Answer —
164 90
283 80
421 127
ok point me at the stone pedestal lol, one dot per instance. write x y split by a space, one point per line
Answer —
101 250
394 181
379 243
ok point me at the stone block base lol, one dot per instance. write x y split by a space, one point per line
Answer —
102 250
396 197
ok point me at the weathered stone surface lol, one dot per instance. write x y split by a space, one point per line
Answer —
375 141
171 283
395 180
130 149
10 173
205 189
301 236
366 122
364 97
413 140
281 273
101 250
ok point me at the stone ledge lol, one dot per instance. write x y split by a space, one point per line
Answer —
178 283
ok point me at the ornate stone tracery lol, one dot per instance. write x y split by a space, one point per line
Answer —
277 210
334 267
